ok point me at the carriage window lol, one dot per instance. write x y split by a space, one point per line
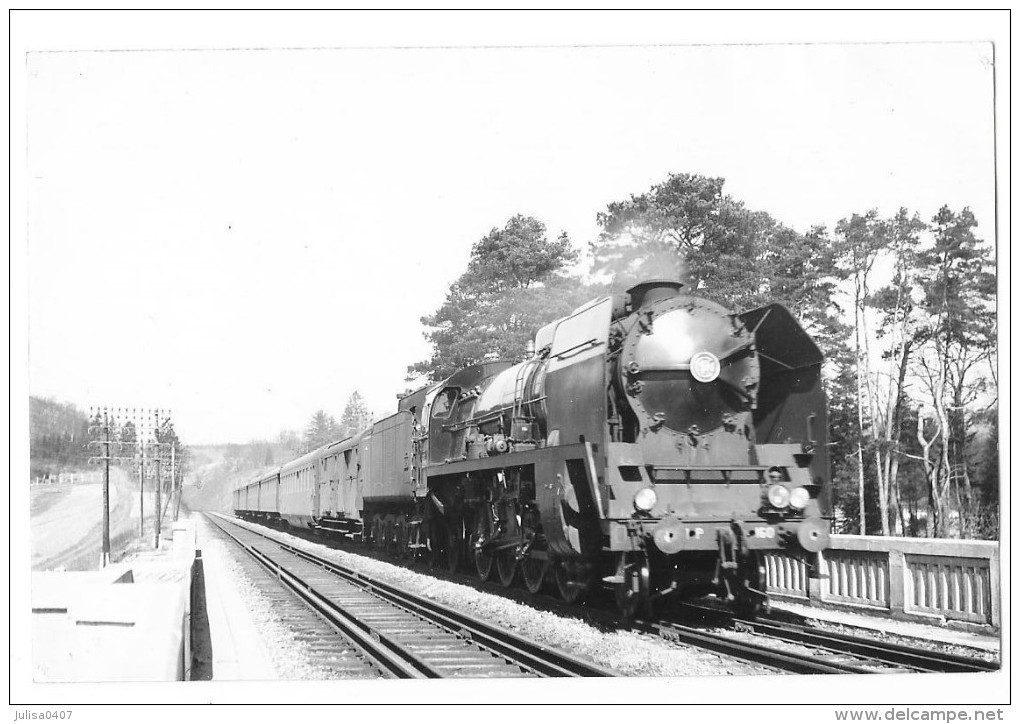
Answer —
444 402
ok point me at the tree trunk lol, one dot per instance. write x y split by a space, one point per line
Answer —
897 417
944 471
870 395
883 491
971 508
959 422
898 521
932 522
860 486
861 365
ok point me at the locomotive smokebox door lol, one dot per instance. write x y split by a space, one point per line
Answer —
688 376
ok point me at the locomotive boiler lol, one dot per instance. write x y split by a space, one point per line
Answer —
654 442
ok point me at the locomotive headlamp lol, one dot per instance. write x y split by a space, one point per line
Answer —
705 366
799 498
645 499
779 496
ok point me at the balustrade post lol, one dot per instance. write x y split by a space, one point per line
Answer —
817 572
994 594
897 583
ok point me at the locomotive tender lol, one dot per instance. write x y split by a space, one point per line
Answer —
655 441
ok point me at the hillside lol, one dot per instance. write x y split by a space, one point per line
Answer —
217 469
58 437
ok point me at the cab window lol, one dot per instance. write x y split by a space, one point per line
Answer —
444 403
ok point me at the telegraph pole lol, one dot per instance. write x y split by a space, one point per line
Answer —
159 510
106 491
141 492
175 492
147 444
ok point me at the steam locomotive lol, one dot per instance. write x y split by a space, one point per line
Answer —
653 442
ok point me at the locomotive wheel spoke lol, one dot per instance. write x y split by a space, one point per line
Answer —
573 580
533 572
506 566
483 565
483 561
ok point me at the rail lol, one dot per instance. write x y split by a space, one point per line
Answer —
881 653
914 578
472 634
545 660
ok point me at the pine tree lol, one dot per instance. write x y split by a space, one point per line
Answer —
686 228
515 282
958 340
356 417
322 428
128 436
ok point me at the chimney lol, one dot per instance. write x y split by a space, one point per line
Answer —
653 290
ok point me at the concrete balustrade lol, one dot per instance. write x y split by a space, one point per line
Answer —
915 578
786 575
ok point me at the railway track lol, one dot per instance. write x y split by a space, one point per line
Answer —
818 651
392 633
328 650
879 656
804 650
822 655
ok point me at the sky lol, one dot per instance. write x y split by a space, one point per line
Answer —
247 236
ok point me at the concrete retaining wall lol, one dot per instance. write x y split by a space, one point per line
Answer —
129 622
918 578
